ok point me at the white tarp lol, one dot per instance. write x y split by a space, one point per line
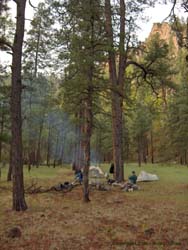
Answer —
96 172
144 176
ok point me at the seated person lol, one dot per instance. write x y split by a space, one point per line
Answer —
133 178
79 175
131 184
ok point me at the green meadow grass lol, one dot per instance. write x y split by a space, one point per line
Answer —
166 173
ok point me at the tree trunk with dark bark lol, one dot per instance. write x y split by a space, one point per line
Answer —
86 143
117 82
19 203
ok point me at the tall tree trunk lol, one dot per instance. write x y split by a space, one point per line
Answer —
19 203
87 138
117 81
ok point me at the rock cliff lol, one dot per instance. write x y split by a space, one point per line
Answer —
166 33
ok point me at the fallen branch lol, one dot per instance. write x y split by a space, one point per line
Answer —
34 189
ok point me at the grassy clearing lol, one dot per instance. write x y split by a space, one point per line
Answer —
154 218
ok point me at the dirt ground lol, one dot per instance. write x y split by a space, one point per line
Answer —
153 218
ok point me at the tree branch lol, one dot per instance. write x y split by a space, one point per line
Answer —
172 13
139 66
4 44
153 89
32 5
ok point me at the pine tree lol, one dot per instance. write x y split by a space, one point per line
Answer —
82 50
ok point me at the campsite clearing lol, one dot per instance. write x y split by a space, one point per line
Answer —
153 218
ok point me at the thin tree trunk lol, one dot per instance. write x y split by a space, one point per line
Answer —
185 156
9 175
152 148
30 136
139 152
48 147
181 160
19 203
77 145
81 148
37 50
145 148
63 149
38 154
56 150
30 150
164 97
98 148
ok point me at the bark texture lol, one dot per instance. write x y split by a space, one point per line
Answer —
116 72
19 203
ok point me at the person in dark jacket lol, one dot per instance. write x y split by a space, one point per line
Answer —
133 178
